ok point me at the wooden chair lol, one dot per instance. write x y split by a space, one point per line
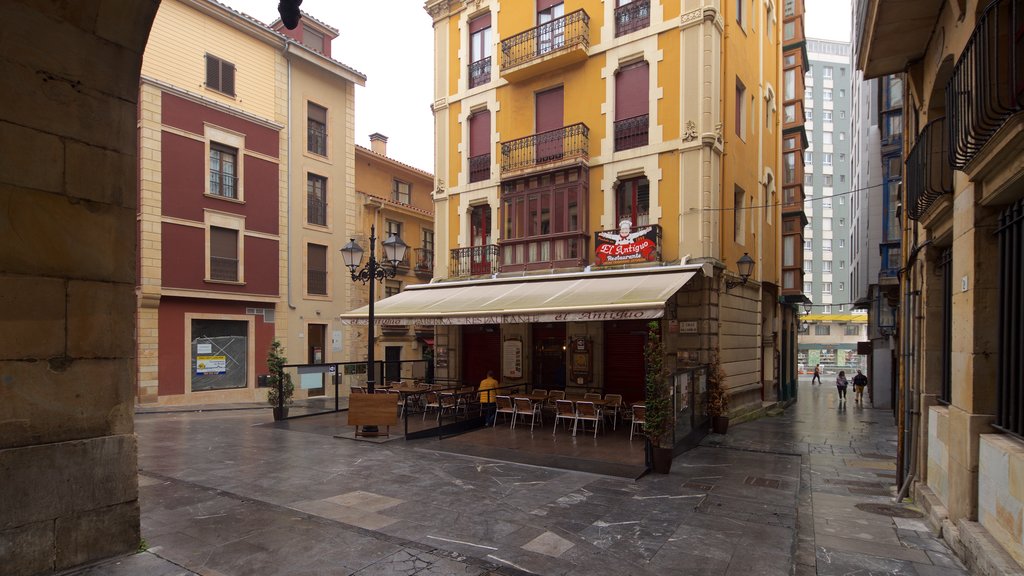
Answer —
524 407
564 410
612 407
639 413
587 411
505 406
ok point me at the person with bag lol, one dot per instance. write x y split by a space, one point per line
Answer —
841 384
860 382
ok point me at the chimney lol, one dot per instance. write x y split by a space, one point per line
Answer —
379 143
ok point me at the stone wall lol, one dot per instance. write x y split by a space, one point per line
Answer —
1001 491
938 452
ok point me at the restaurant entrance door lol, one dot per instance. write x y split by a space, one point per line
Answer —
549 356
481 351
624 358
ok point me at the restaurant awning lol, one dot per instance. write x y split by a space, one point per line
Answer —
576 297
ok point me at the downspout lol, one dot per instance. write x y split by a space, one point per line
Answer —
762 186
288 180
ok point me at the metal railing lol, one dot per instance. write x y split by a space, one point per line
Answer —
479 168
632 17
316 282
1009 385
316 138
631 132
223 184
480 72
563 33
425 260
474 261
567 143
316 210
224 268
929 174
987 84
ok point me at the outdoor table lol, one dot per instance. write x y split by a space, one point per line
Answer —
599 402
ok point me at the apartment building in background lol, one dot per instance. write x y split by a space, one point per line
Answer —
959 321
600 166
826 336
245 190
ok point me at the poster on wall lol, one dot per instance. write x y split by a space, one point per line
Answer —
211 364
512 358
626 245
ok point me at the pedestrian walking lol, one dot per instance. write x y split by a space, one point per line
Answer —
488 409
841 384
860 382
817 375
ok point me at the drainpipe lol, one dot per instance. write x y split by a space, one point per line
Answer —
288 180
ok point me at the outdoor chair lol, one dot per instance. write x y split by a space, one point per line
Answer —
612 407
451 402
539 392
505 406
357 390
591 396
399 402
524 407
639 412
431 402
553 396
564 410
587 411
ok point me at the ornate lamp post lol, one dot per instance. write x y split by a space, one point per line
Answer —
352 254
745 267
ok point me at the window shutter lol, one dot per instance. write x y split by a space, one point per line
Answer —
479 23
631 91
545 4
317 113
479 133
228 78
213 72
223 242
317 258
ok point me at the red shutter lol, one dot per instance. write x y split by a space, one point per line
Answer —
631 91
545 4
549 110
480 133
479 23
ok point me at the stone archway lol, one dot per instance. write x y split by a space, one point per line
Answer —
67 280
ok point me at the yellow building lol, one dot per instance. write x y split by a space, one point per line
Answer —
960 320
245 194
600 165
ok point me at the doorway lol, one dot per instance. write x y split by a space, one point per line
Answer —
481 351
624 369
549 356
392 363
317 338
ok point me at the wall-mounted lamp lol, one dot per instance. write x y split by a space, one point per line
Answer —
808 305
744 266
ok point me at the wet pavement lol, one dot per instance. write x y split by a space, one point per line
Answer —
805 492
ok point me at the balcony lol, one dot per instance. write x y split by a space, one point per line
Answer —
474 261
987 85
547 150
929 174
479 168
631 133
892 34
480 72
632 17
561 42
424 262
889 272
567 250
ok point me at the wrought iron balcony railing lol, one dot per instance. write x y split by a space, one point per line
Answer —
316 210
563 144
316 138
632 17
929 174
225 269
631 132
563 33
480 72
987 84
223 184
474 261
424 261
479 168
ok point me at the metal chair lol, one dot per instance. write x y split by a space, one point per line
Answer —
524 407
564 410
451 402
591 396
357 390
613 403
639 414
431 402
587 411
505 406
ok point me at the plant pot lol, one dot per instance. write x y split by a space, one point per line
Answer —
661 459
280 413
719 424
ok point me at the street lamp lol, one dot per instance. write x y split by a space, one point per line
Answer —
745 267
352 254
807 306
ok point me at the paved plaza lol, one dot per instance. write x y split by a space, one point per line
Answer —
808 491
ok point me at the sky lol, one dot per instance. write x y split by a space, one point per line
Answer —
391 42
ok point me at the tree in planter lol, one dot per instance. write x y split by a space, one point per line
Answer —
658 402
718 398
280 397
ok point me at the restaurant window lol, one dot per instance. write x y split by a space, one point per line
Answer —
632 201
316 129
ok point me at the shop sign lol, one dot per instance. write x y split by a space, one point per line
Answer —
627 244
211 364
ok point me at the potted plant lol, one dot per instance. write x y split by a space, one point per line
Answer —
281 388
658 402
718 398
